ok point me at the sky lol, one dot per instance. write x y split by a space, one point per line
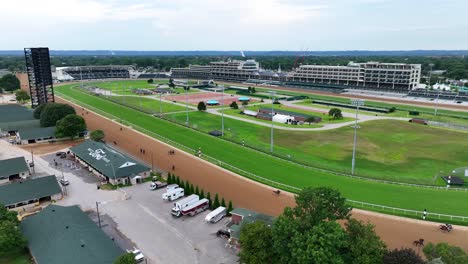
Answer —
301 25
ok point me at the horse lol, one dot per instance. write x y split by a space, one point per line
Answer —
418 243
446 228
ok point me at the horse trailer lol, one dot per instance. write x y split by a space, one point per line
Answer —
171 187
197 207
216 215
173 195
186 202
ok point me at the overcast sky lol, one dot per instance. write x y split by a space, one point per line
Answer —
234 24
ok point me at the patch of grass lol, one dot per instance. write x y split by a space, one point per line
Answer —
281 171
19 257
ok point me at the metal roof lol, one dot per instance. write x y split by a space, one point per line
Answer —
36 133
247 218
60 235
15 112
107 160
12 166
24 191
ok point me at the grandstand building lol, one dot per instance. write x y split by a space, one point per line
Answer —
93 72
397 77
369 75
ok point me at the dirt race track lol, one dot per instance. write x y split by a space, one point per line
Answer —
395 231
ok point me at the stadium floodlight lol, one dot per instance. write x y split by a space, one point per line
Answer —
222 112
273 93
357 103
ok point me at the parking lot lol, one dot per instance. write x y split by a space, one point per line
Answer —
146 220
143 221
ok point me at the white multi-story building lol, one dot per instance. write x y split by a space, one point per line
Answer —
235 70
193 71
369 75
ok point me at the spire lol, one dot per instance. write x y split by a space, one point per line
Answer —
279 68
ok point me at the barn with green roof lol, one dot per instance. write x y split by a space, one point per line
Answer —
60 234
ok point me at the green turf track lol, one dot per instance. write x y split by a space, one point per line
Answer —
407 197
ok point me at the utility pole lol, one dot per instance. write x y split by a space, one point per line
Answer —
436 103
98 216
357 103
272 114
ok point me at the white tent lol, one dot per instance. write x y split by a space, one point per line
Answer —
282 118
250 113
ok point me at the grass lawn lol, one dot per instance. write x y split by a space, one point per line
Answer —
325 118
281 171
125 87
16 258
146 104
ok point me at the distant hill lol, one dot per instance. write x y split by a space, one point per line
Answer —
247 53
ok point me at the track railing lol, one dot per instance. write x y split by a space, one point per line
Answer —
293 189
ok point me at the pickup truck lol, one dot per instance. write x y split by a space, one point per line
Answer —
157 185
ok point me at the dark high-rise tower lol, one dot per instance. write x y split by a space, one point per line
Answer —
39 75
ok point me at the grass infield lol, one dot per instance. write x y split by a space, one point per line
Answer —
407 197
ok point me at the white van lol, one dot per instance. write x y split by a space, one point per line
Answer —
216 215
173 195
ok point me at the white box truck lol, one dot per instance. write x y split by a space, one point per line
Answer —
173 195
171 187
216 215
187 201
197 207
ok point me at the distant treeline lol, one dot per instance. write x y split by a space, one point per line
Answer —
456 67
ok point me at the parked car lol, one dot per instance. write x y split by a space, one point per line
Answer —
64 182
139 257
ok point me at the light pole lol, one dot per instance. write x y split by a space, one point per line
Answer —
272 113
186 104
357 103
222 112
98 216
160 103
436 103
430 73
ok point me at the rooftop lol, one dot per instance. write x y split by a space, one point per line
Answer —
247 218
29 190
14 113
12 166
108 160
59 235
37 132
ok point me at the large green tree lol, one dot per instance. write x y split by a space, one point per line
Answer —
11 239
70 126
127 258
38 111
256 241
22 96
449 254
364 246
53 112
335 113
402 256
9 82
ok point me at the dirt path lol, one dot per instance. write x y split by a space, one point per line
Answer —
395 231
45 148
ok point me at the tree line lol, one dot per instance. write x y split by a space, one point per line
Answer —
457 67
310 233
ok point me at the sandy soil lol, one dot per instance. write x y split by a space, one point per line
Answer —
395 231
46 148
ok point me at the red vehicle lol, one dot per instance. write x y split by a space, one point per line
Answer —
196 207
418 121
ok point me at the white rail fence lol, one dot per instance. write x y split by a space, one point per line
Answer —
357 204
